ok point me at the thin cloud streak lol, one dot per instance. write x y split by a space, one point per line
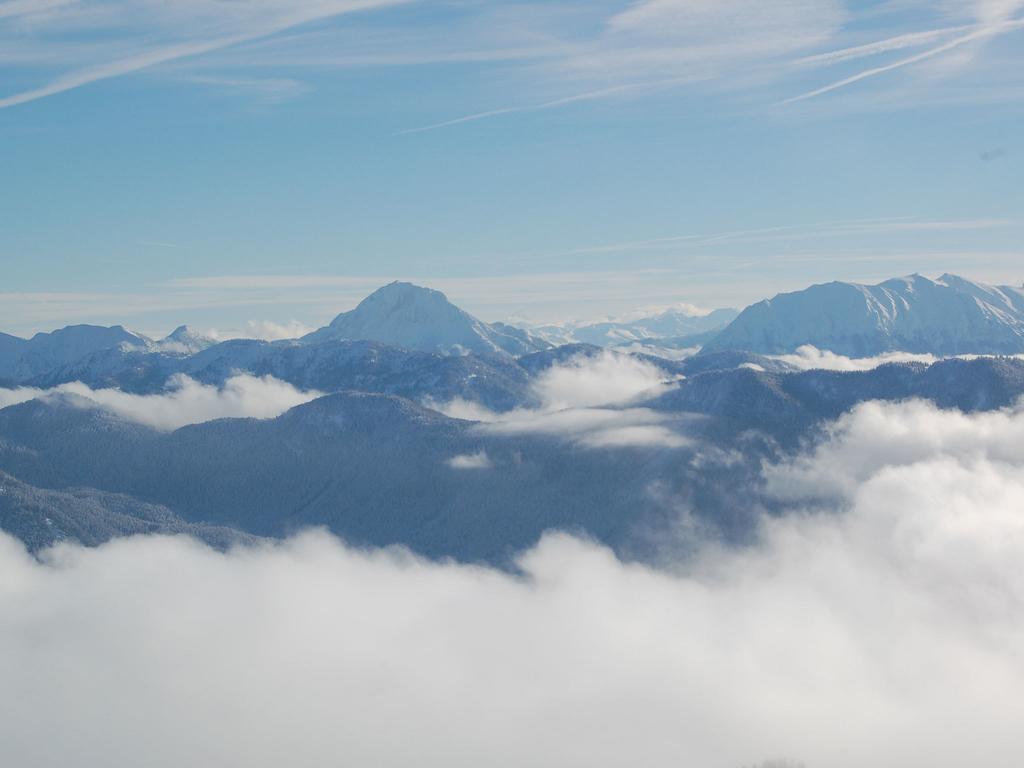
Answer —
889 44
988 31
118 68
588 96
27 7
694 60
170 53
822 229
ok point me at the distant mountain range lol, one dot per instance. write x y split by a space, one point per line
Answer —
25 359
943 317
948 316
671 327
378 469
375 462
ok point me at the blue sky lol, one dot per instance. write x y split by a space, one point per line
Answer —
233 164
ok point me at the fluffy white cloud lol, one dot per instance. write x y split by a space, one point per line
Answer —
267 330
18 395
459 408
876 437
582 399
478 460
186 401
887 632
604 379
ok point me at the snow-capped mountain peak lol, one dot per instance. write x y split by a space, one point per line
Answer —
947 316
183 340
413 317
23 358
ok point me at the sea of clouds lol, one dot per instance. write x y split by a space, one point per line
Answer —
879 623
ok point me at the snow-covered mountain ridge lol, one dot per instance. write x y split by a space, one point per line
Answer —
943 317
666 326
947 316
24 359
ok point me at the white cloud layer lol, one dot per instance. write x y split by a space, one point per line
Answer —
582 399
186 401
886 634
604 379
808 357
593 427
267 330
876 438
478 460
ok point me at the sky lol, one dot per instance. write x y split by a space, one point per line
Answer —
265 165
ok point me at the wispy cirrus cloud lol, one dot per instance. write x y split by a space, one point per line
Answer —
555 55
978 34
603 93
821 230
878 47
146 33
653 45
737 45
12 9
266 90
